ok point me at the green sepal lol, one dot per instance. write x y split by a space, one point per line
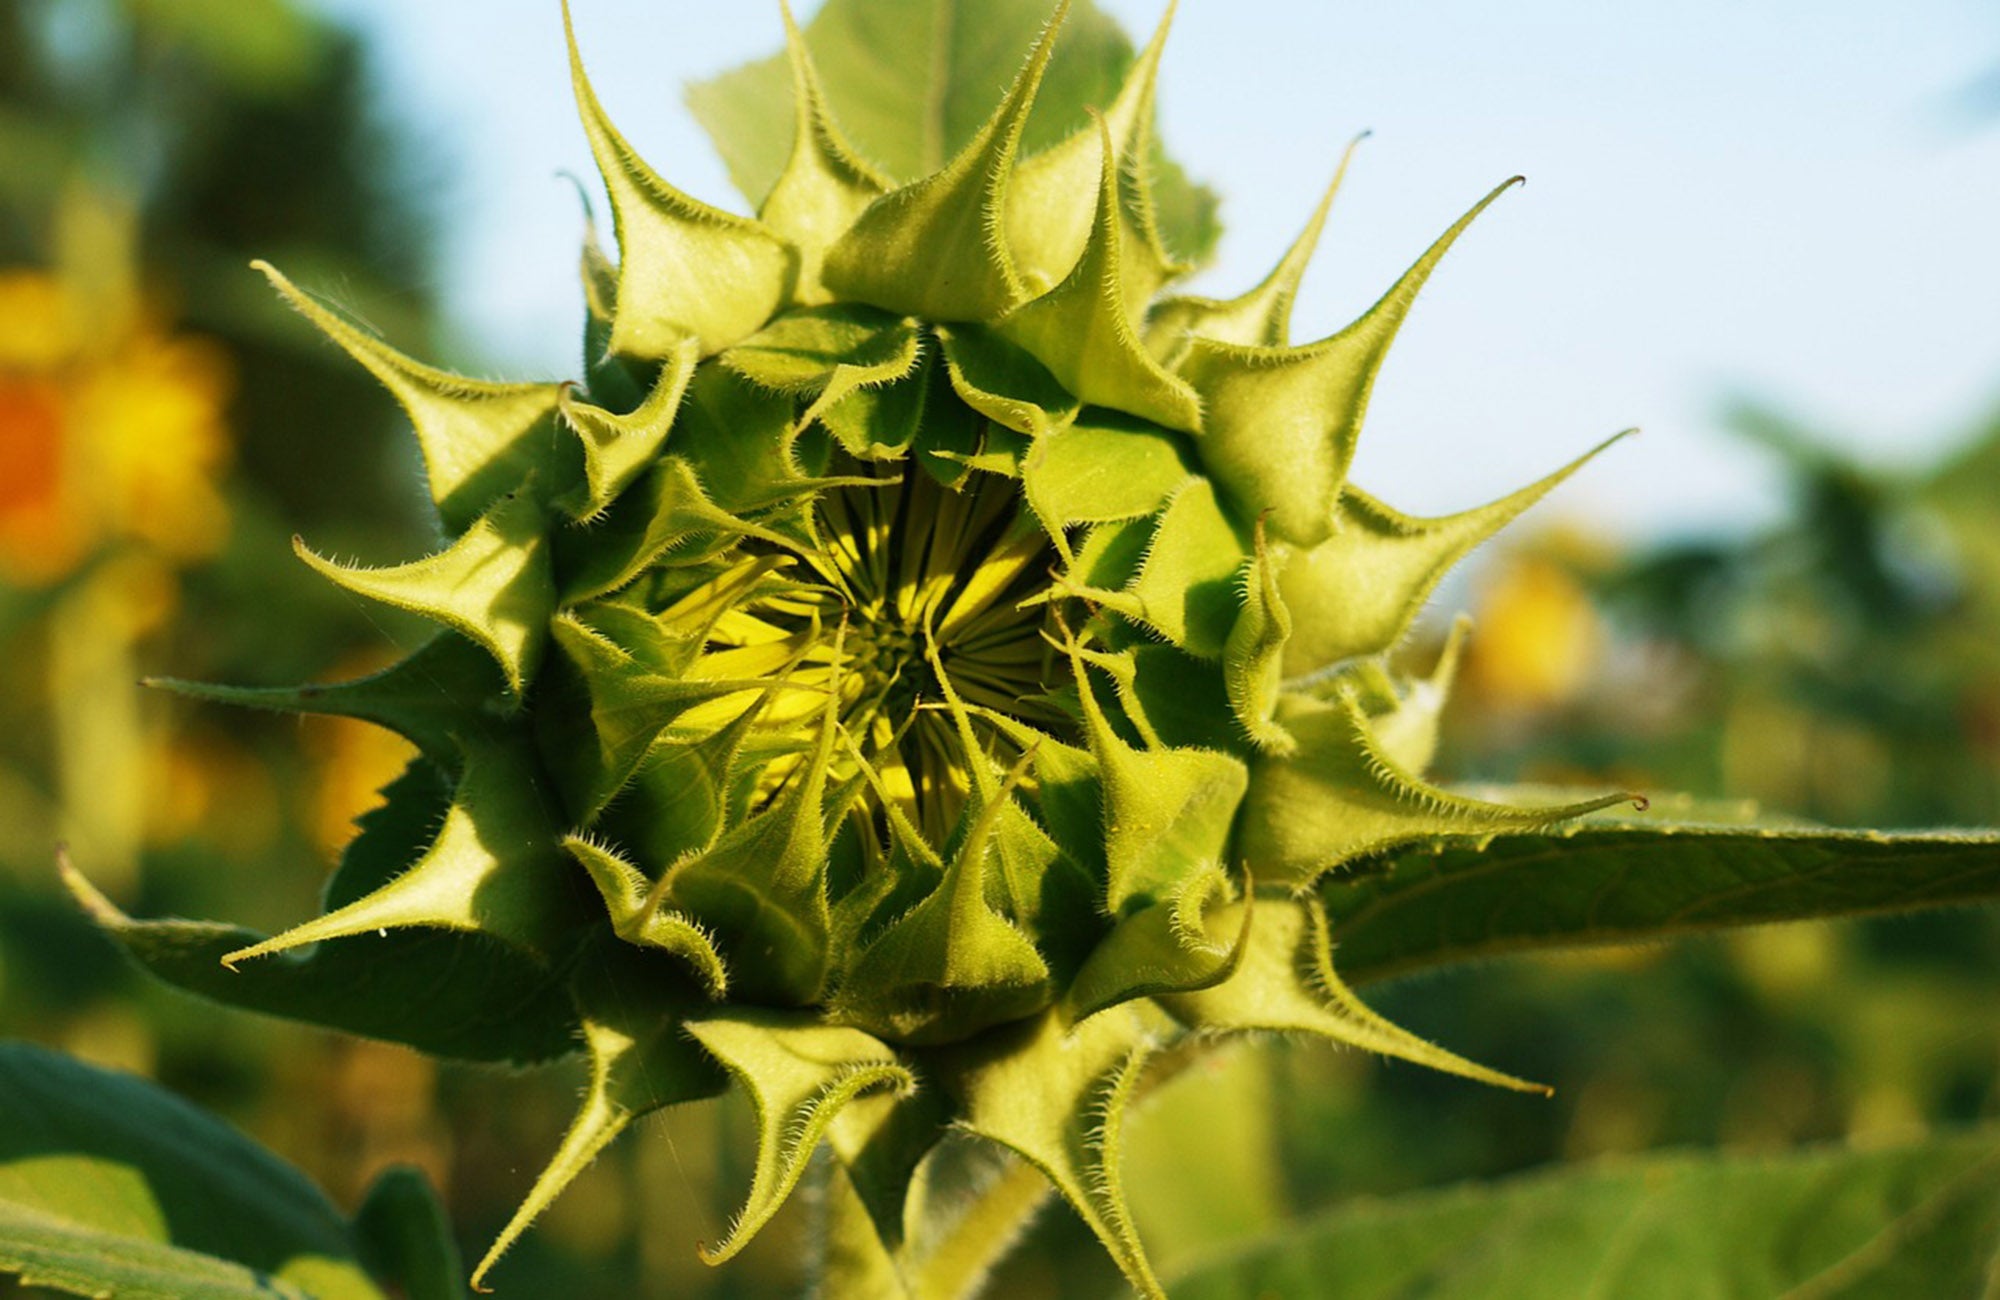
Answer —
1285 983
1036 883
878 881
953 965
683 793
1047 229
1188 587
830 353
881 1141
825 185
1003 382
610 380
883 423
617 448
479 440
454 994
999 452
1253 657
762 885
1167 812
494 585
445 687
1357 592
638 919
799 1074
685 269
1340 797
631 1007
950 434
1184 700
1170 947
1110 557
1404 717
1105 466
908 114
665 518
673 640
603 710
1261 318
1051 871
936 248
1122 668
744 438
1068 790
1082 328
1057 1097
1279 425
804 350
493 868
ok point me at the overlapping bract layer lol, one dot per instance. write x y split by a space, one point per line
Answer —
918 674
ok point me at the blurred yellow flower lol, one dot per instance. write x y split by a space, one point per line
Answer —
1537 637
113 440
351 762
205 786
110 428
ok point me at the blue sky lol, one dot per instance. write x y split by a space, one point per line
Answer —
1783 199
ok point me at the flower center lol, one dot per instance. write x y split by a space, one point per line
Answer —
915 599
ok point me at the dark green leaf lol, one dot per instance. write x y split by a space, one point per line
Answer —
405 1239
1921 1220
110 1186
452 994
1617 881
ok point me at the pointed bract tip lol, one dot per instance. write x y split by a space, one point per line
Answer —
230 960
1038 61
88 896
1158 42
579 82
582 194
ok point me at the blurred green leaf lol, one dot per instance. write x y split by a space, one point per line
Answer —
1921 1220
1616 881
403 1236
257 46
110 1186
910 116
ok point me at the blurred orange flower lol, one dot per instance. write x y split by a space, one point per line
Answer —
111 429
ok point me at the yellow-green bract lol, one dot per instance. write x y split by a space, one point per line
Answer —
918 676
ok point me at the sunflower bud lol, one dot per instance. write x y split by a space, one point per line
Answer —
920 672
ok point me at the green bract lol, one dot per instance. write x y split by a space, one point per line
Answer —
920 674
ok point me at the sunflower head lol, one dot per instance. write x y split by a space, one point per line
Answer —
919 671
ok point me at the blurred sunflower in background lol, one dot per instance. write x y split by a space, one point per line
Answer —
115 432
158 428
113 446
